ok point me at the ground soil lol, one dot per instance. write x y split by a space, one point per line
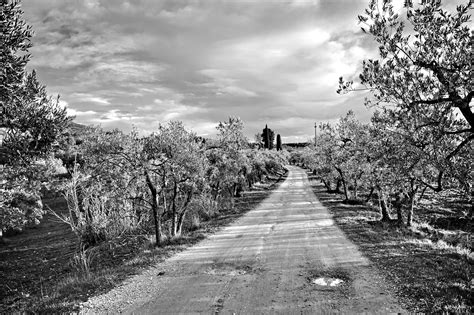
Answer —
274 259
33 260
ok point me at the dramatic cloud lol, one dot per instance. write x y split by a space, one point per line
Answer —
144 62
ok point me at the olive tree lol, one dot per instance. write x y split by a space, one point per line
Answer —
104 193
30 120
178 170
228 164
424 70
323 158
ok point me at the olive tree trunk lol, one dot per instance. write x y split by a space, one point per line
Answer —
383 206
154 207
346 195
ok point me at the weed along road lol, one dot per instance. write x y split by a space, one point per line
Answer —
286 256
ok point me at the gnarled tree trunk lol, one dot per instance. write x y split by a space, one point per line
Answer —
383 206
174 222
411 198
398 206
184 210
370 194
154 207
346 195
338 185
327 184
410 210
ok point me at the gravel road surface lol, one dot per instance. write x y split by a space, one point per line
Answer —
286 256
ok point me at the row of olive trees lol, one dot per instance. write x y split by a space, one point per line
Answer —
351 157
118 181
123 182
421 136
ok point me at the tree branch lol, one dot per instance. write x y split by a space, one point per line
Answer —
460 146
433 101
462 103
439 180
459 131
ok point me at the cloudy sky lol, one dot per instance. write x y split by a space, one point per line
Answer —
141 62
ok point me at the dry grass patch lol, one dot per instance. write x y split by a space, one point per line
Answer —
430 267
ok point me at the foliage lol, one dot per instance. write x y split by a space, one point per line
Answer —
180 170
103 194
228 164
122 182
31 123
422 132
379 158
422 81
231 134
278 145
268 138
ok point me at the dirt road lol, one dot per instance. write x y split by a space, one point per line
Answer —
286 256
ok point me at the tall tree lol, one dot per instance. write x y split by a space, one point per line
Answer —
268 137
180 170
427 70
228 164
278 142
422 80
31 122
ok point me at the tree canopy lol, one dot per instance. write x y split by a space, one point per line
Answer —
268 138
424 69
31 122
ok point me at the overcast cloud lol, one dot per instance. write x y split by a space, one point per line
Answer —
142 62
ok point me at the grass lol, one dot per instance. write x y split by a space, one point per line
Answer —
43 271
430 267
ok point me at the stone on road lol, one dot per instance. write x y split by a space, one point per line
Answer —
286 256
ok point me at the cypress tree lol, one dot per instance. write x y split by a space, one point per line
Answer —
268 137
278 142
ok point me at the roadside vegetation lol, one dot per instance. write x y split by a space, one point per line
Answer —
44 271
406 178
428 265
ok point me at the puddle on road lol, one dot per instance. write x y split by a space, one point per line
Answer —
330 278
325 222
331 282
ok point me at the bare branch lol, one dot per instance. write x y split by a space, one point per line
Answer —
459 131
460 146
439 183
433 101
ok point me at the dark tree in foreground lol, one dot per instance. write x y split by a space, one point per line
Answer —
30 120
278 142
268 137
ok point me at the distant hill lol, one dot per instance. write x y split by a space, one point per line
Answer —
76 129
297 144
